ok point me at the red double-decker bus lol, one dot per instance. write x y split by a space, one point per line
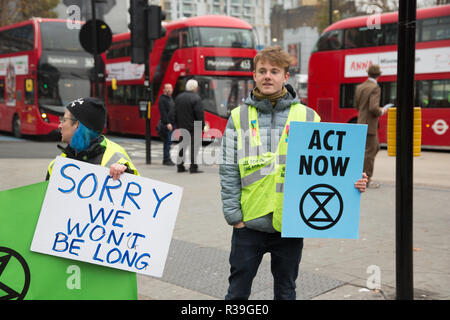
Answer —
215 50
42 68
347 48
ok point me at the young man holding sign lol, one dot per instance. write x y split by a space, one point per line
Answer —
81 128
252 177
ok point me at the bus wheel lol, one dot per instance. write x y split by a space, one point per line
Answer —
16 126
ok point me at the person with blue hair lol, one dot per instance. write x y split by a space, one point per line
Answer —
81 129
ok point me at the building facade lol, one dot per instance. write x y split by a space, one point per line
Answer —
255 12
294 30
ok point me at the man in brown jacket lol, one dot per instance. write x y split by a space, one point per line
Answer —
367 102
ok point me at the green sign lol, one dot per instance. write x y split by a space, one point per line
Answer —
33 276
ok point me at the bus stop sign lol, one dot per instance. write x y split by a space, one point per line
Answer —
104 36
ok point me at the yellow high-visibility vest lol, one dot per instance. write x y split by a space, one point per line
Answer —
114 153
262 172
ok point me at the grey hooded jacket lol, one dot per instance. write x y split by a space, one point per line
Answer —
271 120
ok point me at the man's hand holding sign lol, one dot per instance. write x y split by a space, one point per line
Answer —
321 198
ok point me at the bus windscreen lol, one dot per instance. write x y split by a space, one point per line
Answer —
220 95
64 69
57 36
223 37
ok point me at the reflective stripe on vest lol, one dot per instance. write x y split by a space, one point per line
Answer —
262 173
114 153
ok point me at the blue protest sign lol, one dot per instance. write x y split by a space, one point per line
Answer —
324 160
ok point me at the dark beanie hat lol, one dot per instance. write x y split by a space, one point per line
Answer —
91 112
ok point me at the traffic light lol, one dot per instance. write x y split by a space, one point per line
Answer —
155 16
138 30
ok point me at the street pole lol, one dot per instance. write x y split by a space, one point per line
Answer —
148 89
404 159
95 49
330 13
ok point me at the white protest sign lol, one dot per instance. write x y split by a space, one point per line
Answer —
125 224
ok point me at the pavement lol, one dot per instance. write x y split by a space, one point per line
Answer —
331 269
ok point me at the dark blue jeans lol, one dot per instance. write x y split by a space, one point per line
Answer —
247 249
166 148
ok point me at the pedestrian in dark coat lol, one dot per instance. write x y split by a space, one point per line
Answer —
188 115
166 106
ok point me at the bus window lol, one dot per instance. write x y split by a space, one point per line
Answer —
119 50
389 32
141 93
185 39
436 29
330 40
2 90
56 36
17 39
350 38
347 95
440 94
111 95
422 99
362 37
172 44
224 94
220 95
174 41
119 95
369 37
388 93
195 35
226 37
127 96
179 86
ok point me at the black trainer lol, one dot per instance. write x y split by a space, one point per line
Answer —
168 163
194 169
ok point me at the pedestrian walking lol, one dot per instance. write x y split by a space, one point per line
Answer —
81 129
367 102
166 110
188 115
252 200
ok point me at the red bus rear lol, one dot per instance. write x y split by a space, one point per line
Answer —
42 68
217 51
347 48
